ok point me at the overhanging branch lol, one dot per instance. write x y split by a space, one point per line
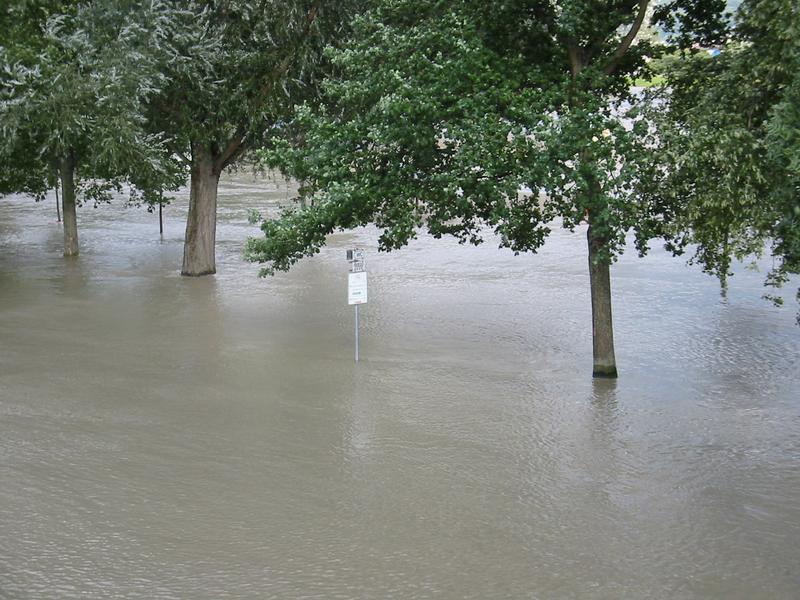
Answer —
626 42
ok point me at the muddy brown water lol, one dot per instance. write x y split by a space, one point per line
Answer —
165 437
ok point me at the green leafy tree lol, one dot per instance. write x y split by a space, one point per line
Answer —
22 23
443 114
729 145
235 70
72 91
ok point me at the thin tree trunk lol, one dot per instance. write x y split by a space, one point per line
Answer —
160 219
67 173
724 265
605 363
201 225
58 203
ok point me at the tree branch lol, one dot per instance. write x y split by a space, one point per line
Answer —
174 149
234 146
626 42
231 151
575 58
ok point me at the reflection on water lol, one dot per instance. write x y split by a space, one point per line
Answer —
165 437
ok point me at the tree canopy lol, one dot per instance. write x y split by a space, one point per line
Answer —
729 145
444 112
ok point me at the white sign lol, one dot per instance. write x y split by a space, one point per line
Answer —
357 288
356 259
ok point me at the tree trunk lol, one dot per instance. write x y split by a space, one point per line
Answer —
58 203
201 225
605 364
67 172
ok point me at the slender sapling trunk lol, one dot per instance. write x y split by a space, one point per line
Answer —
58 203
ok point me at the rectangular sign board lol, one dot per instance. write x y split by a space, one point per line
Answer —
357 288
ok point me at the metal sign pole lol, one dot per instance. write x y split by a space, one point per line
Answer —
356 332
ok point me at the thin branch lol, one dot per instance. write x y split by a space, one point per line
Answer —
231 150
626 42
174 149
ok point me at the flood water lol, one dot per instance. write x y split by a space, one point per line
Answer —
167 437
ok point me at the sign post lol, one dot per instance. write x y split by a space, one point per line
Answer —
356 283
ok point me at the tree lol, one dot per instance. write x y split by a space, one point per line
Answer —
23 25
445 112
72 95
236 69
729 144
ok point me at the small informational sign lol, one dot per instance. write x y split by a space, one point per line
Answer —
357 283
356 259
357 288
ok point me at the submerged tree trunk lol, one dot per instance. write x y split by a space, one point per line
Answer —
605 363
201 225
58 202
66 167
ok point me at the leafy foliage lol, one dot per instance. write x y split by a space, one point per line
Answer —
461 115
729 145
234 69
74 85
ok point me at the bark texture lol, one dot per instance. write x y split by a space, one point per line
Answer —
201 224
605 363
69 215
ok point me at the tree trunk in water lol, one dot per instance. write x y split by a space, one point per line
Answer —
201 225
605 364
67 173
58 203
725 265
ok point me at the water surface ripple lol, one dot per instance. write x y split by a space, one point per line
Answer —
164 437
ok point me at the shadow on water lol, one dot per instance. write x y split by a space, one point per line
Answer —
200 328
74 280
604 394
